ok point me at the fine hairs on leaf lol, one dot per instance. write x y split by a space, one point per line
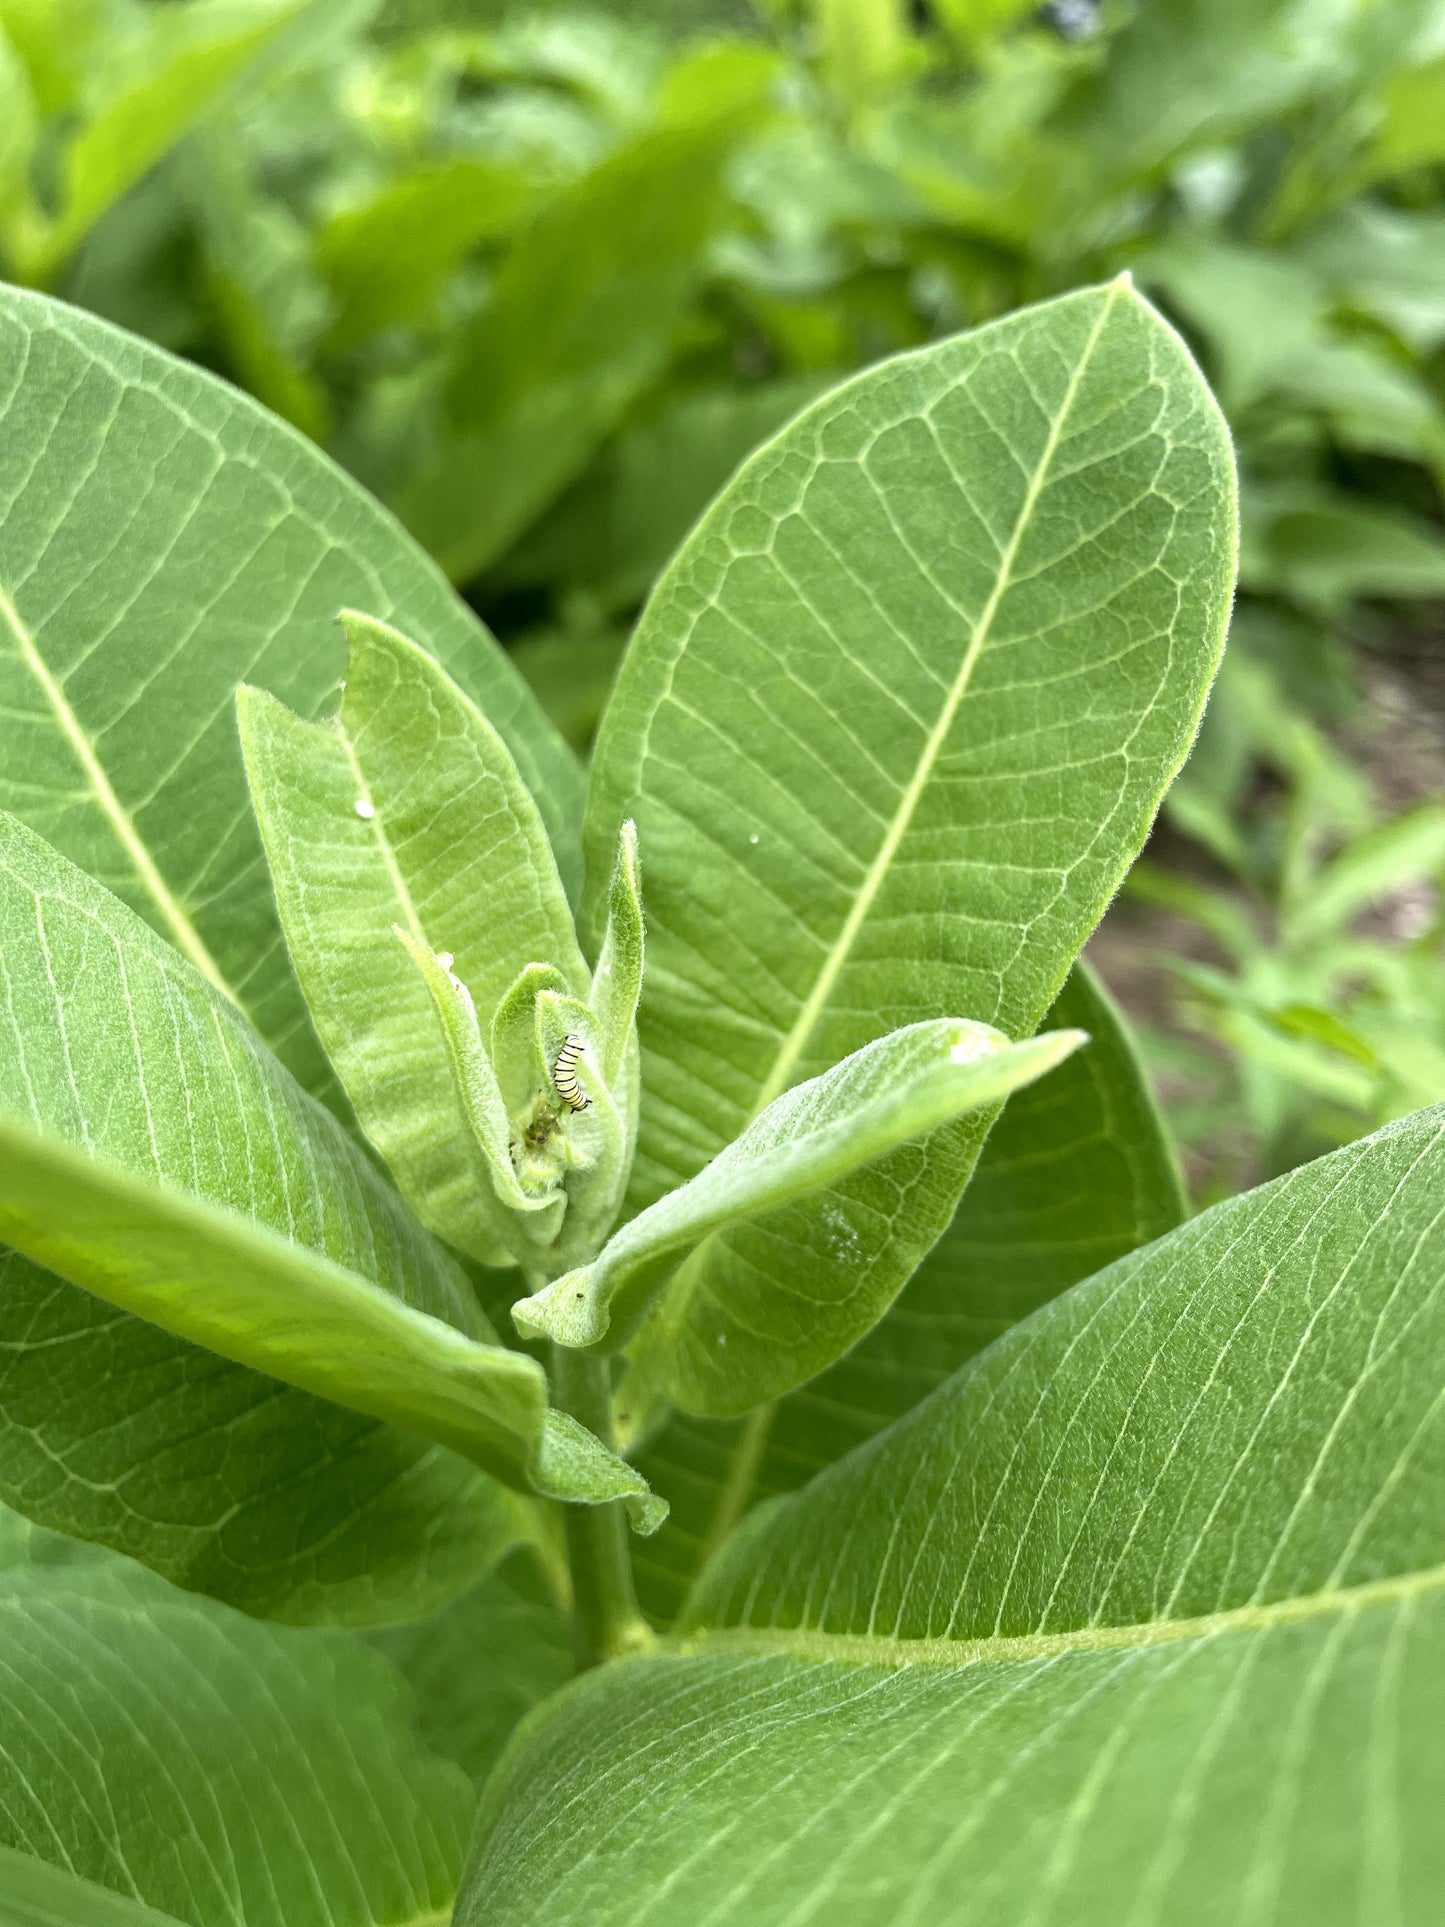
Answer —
1039 1553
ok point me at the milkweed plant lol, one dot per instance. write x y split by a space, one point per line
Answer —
626 1346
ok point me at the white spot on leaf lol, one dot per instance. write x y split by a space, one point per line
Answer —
365 808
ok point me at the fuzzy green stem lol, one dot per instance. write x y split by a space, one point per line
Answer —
606 1622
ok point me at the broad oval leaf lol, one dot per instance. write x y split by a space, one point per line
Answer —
893 727
1140 1616
212 1768
404 809
164 539
1077 1171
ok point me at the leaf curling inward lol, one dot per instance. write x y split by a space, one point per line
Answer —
901 1087
150 1138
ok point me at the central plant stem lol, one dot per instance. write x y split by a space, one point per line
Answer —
606 1622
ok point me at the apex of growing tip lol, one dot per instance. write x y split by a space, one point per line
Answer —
1123 281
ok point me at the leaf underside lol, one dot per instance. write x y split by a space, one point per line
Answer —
1140 1616
164 538
1077 1172
892 728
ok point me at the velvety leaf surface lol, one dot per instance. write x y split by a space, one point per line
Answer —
39 1895
161 540
895 723
108 1043
1076 1172
1140 1616
404 810
813 1136
481 1662
218 1770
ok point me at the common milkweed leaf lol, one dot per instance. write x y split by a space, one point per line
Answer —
481 1662
164 539
1141 1615
40 1895
404 809
223 1770
223 1480
250 1223
177 65
900 1088
1077 1171
892 728
583 316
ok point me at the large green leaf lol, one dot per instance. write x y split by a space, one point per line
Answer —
1140 1616
404 810
893 727
1076 1172
161 540
581 319
220 1771
158 1155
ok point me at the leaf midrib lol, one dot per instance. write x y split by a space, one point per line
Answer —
796 1041
379 832
178 925
867 1649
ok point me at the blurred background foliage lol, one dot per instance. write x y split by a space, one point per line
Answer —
542 275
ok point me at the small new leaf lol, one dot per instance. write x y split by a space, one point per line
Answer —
617 980
890 1092
522 1074
250 1225
533 1189
404 809
597 1137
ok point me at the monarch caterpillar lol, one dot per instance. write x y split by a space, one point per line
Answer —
564 1075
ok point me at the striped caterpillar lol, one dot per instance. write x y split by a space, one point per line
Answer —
564 1075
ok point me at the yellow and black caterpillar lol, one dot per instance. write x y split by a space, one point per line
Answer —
564 1075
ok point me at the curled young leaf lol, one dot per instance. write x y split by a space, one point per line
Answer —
531 1187
522 1072
251 1226
406 808
617 980
901 1088
596 1122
